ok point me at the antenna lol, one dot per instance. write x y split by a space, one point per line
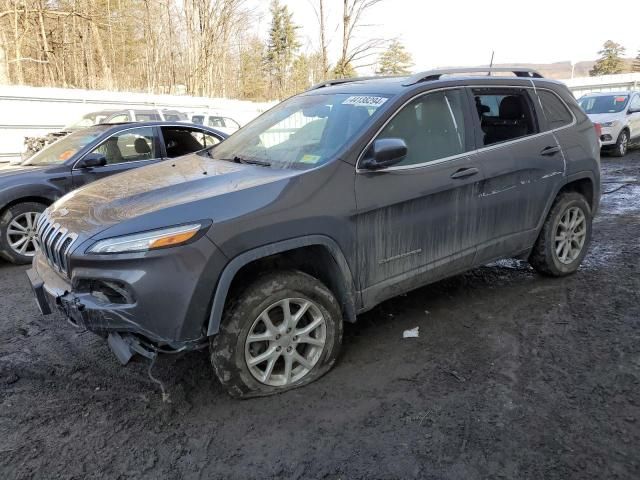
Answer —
491 63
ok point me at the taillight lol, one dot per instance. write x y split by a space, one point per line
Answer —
598 128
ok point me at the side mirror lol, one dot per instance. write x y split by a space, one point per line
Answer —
384 153
633 110
92 160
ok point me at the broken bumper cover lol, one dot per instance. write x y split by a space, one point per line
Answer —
163 297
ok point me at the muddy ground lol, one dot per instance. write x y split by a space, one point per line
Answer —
513 376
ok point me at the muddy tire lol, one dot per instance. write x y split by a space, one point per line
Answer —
17 232
622 145
565 236
281 332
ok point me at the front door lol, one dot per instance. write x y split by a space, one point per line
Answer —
633 111
417 220
127 149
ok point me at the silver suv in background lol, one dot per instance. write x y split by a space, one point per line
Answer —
224 124
618 114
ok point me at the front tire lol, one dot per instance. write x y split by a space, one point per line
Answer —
281 332
18 232
622 144
565 236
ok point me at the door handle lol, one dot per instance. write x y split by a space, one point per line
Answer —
550 150
465 172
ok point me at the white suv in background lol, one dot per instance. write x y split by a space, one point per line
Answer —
224 124
618 114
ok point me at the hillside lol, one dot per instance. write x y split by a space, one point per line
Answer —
561 70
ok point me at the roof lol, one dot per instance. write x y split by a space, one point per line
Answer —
125 125
608 94
393 85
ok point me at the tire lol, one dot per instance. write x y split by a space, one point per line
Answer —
231 354
547 256
21 215
622 145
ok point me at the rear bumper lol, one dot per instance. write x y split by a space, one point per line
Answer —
163 296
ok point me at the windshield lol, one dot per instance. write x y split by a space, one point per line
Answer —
65 148
604 104
302 132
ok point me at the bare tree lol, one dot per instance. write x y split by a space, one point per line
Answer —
356 55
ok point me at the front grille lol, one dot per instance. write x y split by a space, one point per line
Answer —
55 242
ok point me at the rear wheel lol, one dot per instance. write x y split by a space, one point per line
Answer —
282 332
622 144
565 236
18 232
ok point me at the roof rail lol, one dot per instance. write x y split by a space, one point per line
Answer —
430 75
340 81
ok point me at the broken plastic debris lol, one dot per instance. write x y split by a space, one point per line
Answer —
413 333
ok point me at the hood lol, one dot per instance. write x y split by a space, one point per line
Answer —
605 117
156 188
8 170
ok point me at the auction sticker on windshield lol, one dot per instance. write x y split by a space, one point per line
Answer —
365 101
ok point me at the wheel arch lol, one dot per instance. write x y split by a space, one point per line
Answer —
584 183
317 255
27 199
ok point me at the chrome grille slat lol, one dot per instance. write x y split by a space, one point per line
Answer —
55 242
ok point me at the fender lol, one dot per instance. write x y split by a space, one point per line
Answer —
232 268
585 174
44 192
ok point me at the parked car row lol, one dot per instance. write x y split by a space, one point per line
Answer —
81 157
224 124
617 115
332 202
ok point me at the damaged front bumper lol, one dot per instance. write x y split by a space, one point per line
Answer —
141 303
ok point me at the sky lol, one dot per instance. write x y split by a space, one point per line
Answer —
465 32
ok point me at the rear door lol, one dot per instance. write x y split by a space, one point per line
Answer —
521 162
179 140
417 221
131 148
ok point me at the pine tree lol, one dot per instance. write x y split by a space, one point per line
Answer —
282 46
610 60
395 60
636 63
344 70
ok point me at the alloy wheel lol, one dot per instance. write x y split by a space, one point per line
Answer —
21 234
624 143
285 341
571 234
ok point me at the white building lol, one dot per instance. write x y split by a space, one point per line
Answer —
605 83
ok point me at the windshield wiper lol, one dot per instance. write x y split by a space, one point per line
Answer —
250 161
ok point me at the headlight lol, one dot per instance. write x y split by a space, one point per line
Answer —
609 124
142 242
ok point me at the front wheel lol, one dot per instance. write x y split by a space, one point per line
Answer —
622 144
282 332
18 241
565 236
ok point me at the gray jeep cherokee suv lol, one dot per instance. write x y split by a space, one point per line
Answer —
330 203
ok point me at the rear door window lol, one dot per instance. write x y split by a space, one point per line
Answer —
181 140
555 111
504 114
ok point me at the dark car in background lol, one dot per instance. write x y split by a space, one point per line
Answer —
332 202
80 158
